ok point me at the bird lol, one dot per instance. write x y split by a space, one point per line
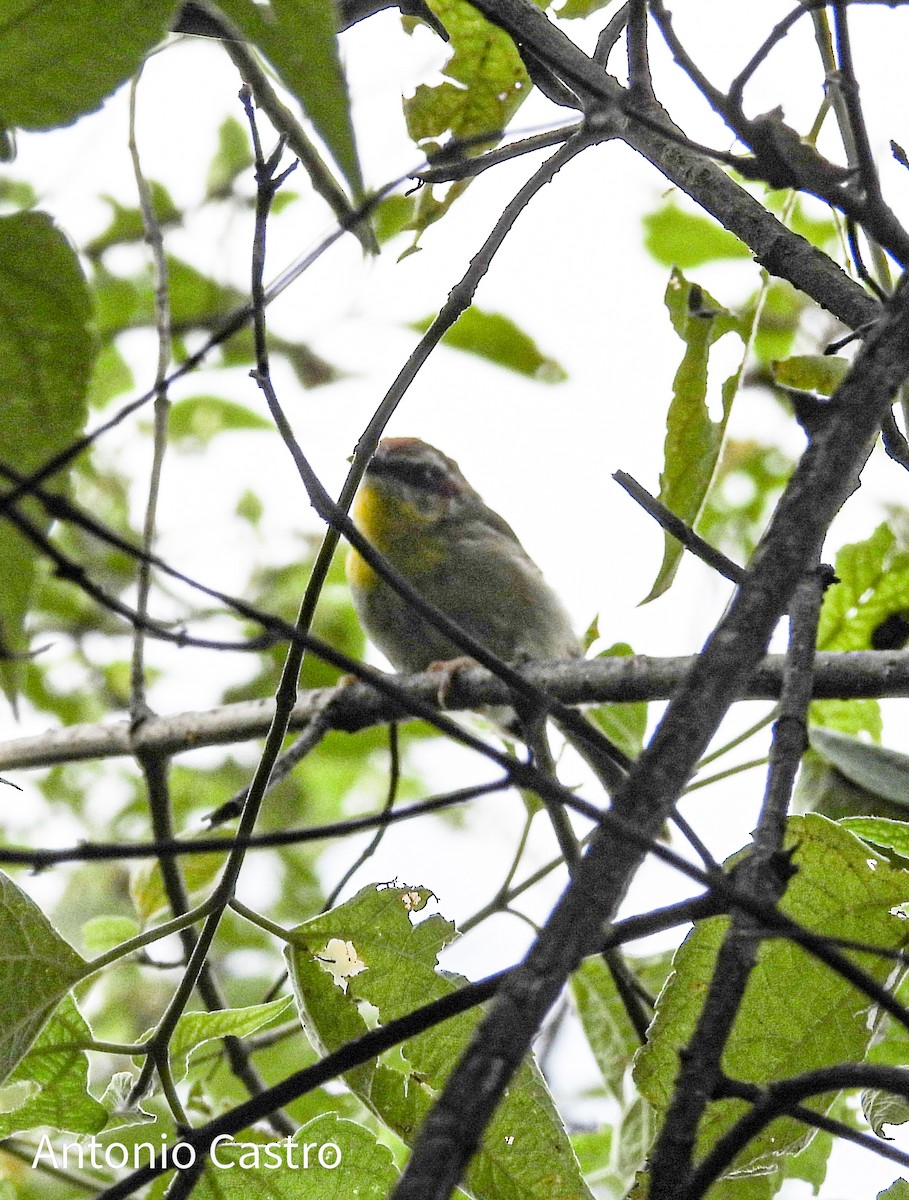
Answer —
416 508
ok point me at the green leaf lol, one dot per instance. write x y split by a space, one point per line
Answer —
368 950
126 224
810 1163
624 724
873 584
611 1157
392 216
101 934
194 1029
593 1149
429 209
196 300
198 419
122 1113
489 81
250 508
820 373
821 788
848 716
299 39
748 479
121 303
311 370
47 347
111 377
891 1045
56 1067
58 61
37 969
676 238
232 158
875 768
195 297
693 440
796 1014
485 84
781 313
575 9
883 1108
16 192
899 1190
283 199
499 340
819 231
146 886
605 1021
880 831
355 1165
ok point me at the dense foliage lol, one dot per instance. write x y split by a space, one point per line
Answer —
264 1010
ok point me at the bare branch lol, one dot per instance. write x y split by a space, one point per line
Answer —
856 674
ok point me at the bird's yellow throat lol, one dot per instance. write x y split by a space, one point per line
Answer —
397 529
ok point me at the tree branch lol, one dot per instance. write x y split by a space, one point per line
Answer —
783 253
764 875
356 706
826 475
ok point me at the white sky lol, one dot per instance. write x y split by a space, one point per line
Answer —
573 274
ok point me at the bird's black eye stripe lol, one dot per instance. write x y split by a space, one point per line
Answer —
417 474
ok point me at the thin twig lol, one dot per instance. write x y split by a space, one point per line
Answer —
313 733
776 35
640 81
448 171
286 124
161 408
778 1099
196 965
610 35
394 779
680 529
848 86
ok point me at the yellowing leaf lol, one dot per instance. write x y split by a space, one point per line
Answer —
819 373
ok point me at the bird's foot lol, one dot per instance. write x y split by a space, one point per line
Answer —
448 669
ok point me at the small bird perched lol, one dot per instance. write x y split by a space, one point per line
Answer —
419 511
